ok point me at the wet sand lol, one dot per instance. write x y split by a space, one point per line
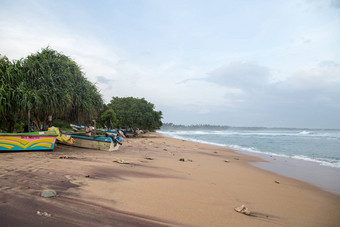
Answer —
154 188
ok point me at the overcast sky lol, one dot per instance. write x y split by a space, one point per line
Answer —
239 63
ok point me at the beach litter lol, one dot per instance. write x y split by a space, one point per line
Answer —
278 182
149 158
243 210
122 162
49 193
45 214
182 160
236 158
66 157
226 160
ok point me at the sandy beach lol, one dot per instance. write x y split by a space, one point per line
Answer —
155 181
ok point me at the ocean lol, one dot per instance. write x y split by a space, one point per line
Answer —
311 155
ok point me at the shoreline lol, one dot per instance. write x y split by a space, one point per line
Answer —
310 172
323 177
155 188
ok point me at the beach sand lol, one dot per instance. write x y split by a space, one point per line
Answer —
152 187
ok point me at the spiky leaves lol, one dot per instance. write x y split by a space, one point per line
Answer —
47 83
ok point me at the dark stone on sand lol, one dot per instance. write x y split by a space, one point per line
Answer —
66 157
87 176
182 159
49 193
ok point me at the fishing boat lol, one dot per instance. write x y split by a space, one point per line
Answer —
32 141
76 128
117 133
62 138
129 133
106 143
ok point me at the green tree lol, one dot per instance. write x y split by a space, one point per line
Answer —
45 84
10 78
108 118
136 113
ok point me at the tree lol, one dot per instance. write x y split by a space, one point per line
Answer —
57 87
136 113
45 84
108 118
10 78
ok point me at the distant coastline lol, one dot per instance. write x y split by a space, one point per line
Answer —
169 126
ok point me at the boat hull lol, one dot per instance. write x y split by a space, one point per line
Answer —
35 141
96 143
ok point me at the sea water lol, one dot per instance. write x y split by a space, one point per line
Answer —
312 155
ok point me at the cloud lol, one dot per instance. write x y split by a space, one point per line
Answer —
316 85
310 94
103 80
240 75
335 4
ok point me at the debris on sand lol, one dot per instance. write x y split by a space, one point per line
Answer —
63 157
66 157
183 160
45 214
148 158
226 160
236 158
49 193
278 182
243 210
122 162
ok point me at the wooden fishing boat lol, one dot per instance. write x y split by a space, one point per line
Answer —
95 142
129 133
31 141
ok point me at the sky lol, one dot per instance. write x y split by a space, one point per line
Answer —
222 62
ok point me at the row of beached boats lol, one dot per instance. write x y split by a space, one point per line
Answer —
45 140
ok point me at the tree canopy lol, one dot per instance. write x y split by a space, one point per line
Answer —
108 118
135 113
50 84
44 84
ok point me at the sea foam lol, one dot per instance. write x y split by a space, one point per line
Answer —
318 146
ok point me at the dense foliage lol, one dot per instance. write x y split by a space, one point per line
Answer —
135 113
108 118
49 85
45 84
